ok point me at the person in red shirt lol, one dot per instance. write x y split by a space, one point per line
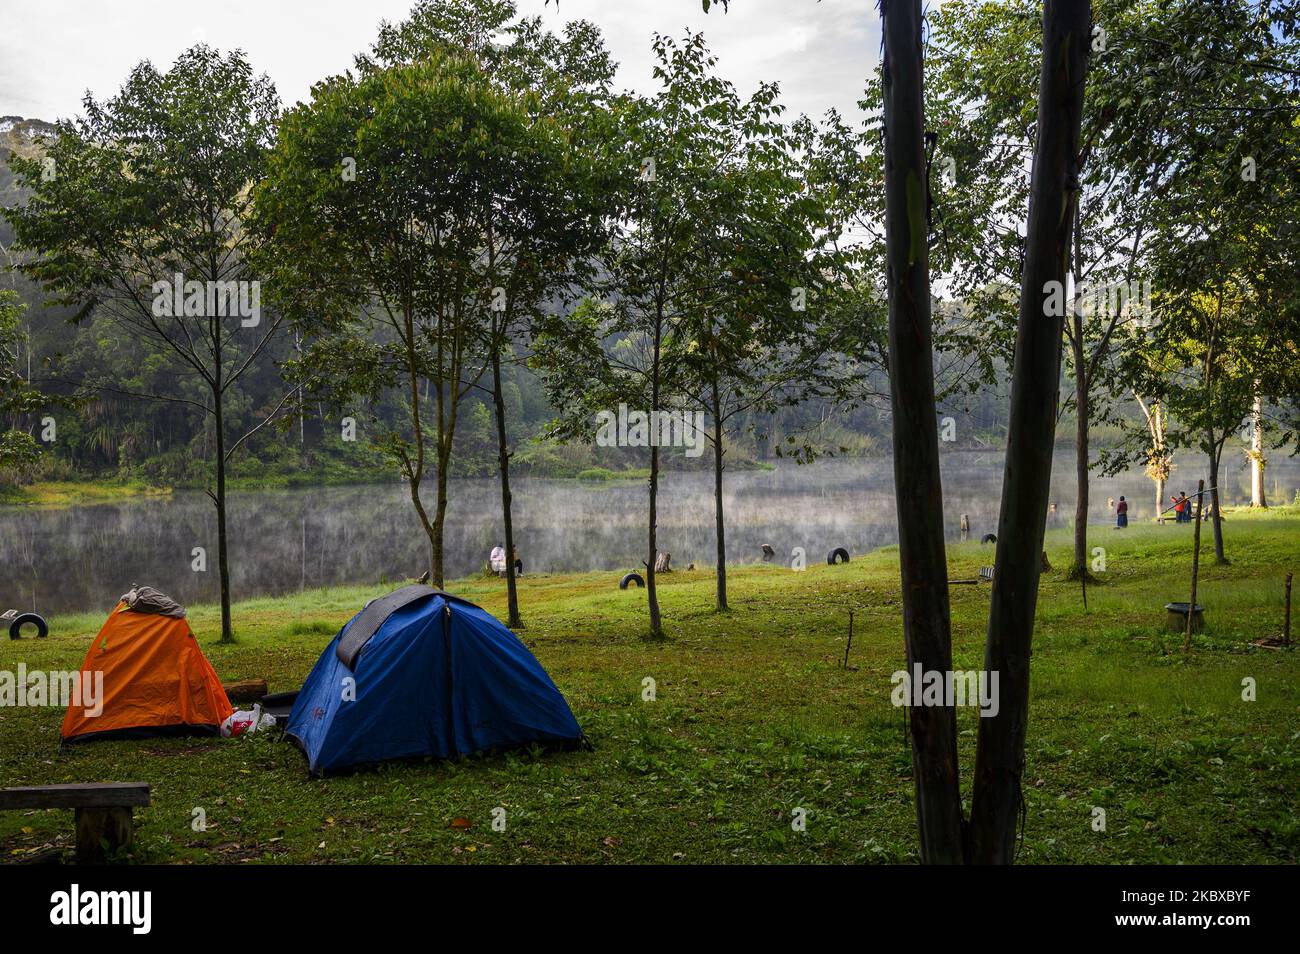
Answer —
1121 513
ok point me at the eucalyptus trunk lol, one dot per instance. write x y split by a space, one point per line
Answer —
1257 497
719 520
1215 455
223 557
503 464
917 486
1054 191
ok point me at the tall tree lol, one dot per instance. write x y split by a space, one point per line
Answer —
1210 118
985 68
542 234
142 220
918 486
1026 481
387 198
759 334
669 275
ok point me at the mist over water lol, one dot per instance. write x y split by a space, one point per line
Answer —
83 558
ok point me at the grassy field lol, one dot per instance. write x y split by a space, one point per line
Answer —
754 718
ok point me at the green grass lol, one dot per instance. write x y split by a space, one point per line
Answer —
64 493
604 473
754 717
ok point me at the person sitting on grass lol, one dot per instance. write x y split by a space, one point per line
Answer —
497 561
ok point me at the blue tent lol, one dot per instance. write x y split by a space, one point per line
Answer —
424 673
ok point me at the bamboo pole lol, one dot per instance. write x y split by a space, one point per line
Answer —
1196 565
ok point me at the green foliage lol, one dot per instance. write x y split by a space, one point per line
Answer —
18 398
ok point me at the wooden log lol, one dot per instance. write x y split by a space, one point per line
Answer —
102 831
246 690
77 795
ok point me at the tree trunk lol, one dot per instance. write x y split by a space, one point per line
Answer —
917 488
1196 566
1257 498
437 576
413 485
1000 757
223 559
415 470
656 626
652 596
1082 408
718 518
503 463
1216 453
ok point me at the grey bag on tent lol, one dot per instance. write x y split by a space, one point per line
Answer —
146 599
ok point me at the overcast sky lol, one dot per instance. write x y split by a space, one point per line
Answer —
52 51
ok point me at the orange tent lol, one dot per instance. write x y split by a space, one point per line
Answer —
156 681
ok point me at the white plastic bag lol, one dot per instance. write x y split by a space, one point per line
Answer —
243 721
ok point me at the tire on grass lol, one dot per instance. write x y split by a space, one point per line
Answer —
26 619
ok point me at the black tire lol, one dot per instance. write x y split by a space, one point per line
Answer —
16 627
631 578
838 555
989 538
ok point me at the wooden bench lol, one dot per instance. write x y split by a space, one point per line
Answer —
103 811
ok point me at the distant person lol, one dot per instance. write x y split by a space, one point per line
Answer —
497 561
519 564
1180 507
1121 513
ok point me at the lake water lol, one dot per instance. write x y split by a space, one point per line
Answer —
82 558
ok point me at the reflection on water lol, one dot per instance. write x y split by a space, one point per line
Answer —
81 558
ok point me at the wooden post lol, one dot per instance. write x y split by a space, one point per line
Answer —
1286 619
850 643
100 827
1196 565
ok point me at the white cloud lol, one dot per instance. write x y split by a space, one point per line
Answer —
51 52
